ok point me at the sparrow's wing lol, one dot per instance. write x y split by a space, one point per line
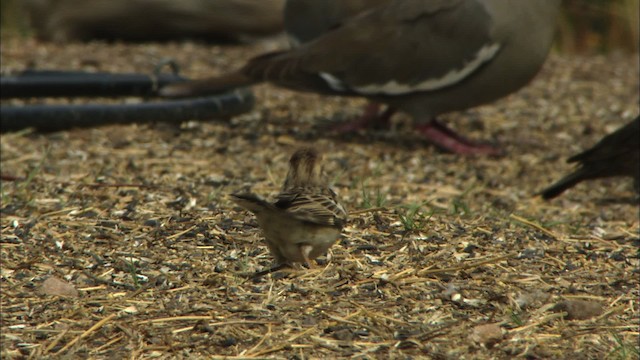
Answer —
317 207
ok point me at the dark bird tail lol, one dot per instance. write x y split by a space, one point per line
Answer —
617 154
564 184
251 202
207 86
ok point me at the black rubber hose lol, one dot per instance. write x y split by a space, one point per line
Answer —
61 117
81 84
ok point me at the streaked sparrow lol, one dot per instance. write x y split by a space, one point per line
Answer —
306 217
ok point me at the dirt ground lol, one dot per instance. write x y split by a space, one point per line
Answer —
444 257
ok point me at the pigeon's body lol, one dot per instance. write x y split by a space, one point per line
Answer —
306 20
617 154
306 219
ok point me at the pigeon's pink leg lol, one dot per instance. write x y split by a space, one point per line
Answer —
448 140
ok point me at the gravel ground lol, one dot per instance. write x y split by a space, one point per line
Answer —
120 241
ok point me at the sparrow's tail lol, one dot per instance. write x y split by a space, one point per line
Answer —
564 184
251 202
207 86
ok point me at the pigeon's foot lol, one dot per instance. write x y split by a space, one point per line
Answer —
448 140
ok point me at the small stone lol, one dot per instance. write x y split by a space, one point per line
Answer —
228 341
56 287
578 309
533 298
487 334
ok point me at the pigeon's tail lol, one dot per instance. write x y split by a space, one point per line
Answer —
282 68
207 86
251 202
563 184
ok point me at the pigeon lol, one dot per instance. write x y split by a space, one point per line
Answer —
617 154
422 57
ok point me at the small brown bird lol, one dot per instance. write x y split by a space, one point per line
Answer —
617 154
306 217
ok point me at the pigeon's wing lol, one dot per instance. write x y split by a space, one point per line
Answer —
377 53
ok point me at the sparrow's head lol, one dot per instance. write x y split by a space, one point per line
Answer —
304 169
